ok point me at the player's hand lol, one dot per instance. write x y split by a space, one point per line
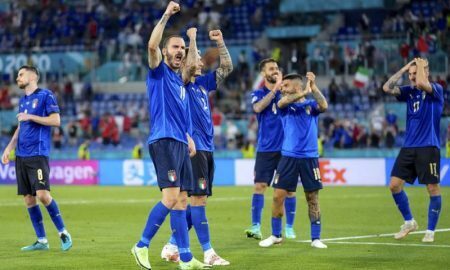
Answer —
215 35
311 77
421 62
23 117
406 67
192 33
308 88
191 147
172 8
278 82
5 157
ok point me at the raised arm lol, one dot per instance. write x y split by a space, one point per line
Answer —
154 52
192 56
11 145
391 87
422 76
226 65
291 98
318 96
263 103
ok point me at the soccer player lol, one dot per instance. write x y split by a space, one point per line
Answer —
299 153
420 155
199 86
169 143
38 112
270 140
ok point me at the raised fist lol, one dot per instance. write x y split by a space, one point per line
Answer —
215 35
192 33
172 8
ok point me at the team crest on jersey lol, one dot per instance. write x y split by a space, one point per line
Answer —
277 177
308 109
34 103
202 183
254 99
424 95
172 175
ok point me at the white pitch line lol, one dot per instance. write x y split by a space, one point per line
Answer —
369 236
389 244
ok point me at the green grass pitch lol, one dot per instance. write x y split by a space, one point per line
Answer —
105 222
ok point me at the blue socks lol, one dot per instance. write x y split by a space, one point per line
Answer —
154 221
403 205
201 226
289 206
172 239
316 227
36 220
434 209
53 211
180 231
257 206
276 227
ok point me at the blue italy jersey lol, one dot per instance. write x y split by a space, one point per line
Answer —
423 115
35 139
300 124
202 126
168 105
270 129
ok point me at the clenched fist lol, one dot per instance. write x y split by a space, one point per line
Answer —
215 35
192 33
172 8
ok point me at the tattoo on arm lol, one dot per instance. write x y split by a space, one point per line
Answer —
313 205
320 99
226 65
391 86
263 103
291 98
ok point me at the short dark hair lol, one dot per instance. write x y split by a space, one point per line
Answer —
167 39
263 63
292 76
30 68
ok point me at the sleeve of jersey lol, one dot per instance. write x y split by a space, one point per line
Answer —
51 106
208 81
438 91
404 90
315 108
256 96
157 72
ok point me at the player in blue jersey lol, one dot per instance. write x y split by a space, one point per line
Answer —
270 139
38 112
420 155
169 143
199 86
299 153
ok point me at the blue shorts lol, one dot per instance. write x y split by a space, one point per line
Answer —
172 164
289 169
265 165
203 171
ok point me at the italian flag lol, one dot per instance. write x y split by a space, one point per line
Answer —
258 82
362 77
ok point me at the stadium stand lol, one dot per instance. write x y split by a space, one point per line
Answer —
337 43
